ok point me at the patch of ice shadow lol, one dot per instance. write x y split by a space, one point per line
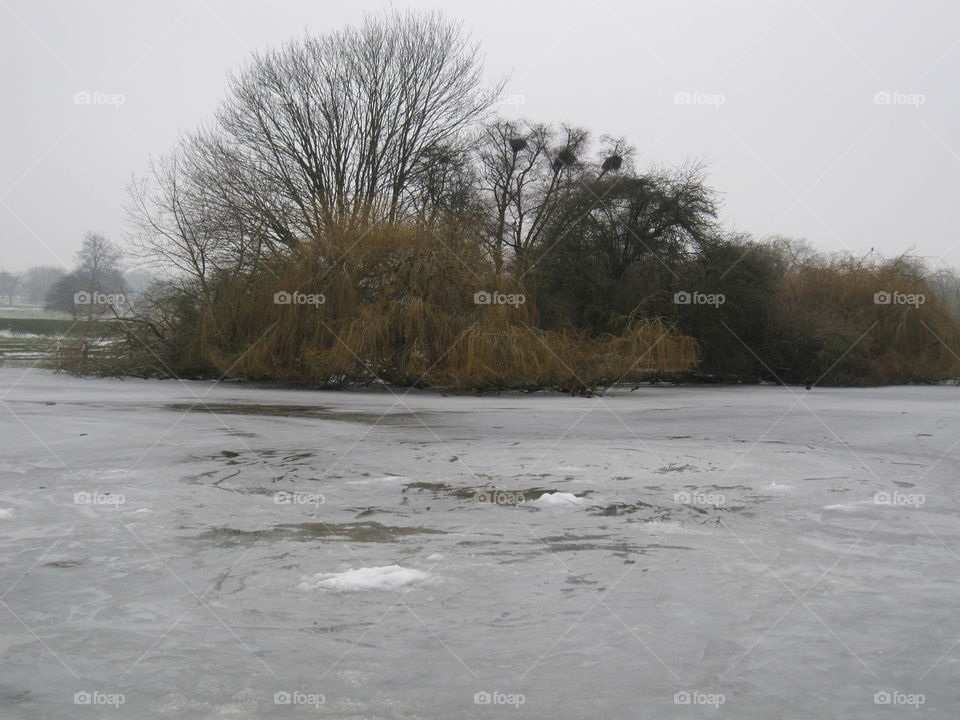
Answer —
316 412
317 531
674 467
387 577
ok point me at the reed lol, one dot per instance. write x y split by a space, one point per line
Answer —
408 305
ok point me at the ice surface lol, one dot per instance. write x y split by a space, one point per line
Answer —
687 572
390 577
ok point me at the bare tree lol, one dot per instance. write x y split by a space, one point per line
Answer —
38 280
362 125
336 129
8 284
172 218
526 170
99 260
98 272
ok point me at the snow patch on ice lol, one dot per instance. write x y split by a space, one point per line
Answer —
558 499
388 478
7 514
14 335
849 506
387 577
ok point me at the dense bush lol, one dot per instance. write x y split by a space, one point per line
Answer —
401 306
849 321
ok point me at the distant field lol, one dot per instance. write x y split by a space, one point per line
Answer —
26 341
31 311
42 326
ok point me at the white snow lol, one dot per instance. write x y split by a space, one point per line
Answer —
558 499
6 514
389 577
385 479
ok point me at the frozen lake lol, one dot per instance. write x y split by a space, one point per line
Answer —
190 550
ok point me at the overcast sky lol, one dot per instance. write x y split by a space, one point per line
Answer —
780 99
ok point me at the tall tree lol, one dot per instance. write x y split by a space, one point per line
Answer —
38 280
9 282
344 129
95 285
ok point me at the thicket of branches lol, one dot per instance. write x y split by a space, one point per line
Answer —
364 167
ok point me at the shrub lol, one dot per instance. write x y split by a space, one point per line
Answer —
399 305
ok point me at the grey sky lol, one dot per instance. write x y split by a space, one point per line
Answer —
779 98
